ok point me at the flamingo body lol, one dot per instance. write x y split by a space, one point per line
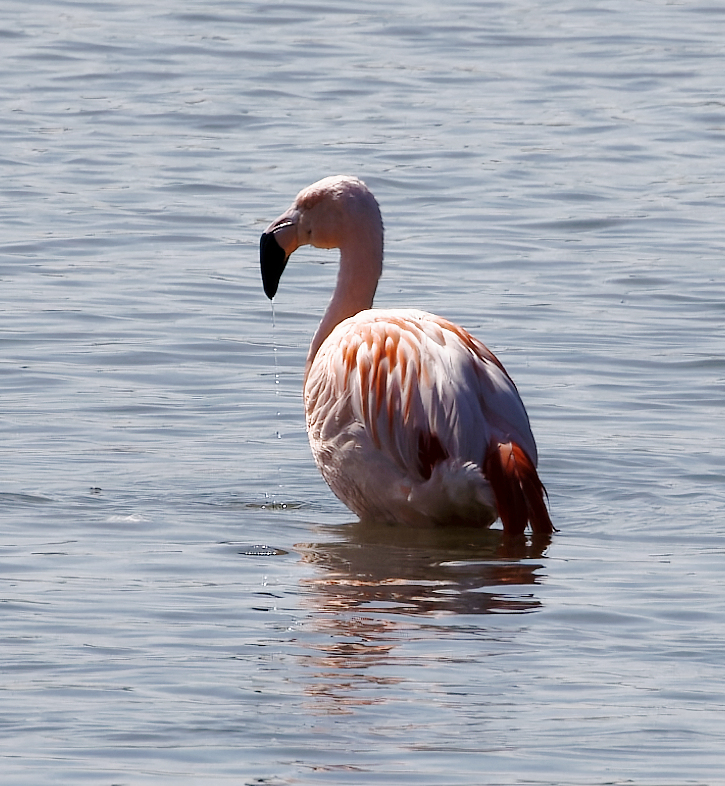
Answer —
410 418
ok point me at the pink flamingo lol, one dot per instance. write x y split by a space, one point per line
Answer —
410 418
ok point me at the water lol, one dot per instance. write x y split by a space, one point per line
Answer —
183 600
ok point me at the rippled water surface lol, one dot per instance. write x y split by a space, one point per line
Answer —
183 599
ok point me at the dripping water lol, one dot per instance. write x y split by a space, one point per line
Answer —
278 412
270 498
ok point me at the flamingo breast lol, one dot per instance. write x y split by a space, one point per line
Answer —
401 409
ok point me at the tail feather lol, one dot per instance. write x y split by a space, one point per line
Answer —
517 489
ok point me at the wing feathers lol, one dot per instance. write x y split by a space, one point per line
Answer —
421 391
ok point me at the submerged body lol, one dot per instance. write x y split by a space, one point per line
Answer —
410 418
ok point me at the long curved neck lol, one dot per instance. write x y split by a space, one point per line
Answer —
361 265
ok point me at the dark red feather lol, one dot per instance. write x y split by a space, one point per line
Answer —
430 453
517 489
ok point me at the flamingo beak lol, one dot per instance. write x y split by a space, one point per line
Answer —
272 260
278 241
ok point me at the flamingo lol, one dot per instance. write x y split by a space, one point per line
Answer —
411 420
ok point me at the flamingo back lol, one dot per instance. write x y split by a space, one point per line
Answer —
403 405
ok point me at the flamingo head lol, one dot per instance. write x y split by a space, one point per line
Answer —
327 214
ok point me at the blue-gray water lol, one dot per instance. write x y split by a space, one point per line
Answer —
552 177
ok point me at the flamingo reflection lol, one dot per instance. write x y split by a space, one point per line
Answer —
373 584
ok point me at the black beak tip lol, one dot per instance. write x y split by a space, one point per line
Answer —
272 260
